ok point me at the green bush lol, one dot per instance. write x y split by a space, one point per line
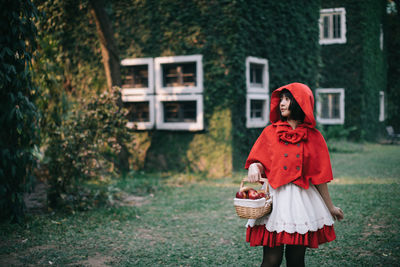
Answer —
337 132
84 148
18 114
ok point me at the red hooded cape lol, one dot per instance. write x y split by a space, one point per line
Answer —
298 156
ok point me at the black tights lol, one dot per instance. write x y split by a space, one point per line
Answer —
294 256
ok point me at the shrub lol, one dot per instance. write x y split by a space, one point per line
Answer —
338 132
85 147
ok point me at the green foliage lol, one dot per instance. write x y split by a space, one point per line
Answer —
18 114
48 74
336 132
84 148
358 66
67 27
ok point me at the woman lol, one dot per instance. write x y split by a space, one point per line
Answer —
294 157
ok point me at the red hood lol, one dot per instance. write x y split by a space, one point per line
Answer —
303 95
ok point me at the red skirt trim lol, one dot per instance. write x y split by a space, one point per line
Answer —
260 236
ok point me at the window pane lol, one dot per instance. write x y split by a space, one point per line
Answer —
134 76
180 111
330 105
336 26
256 109
256 74
138 111
179 74
326 26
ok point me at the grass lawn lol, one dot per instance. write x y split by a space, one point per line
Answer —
178 223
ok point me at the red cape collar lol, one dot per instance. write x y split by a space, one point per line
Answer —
286 133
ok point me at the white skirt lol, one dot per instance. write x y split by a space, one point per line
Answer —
295 209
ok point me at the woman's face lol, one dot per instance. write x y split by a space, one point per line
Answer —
284 106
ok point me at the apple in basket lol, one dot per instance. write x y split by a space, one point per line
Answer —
253 194
261 195
241 195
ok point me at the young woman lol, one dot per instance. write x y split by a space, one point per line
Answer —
294 157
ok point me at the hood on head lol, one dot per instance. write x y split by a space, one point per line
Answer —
304 97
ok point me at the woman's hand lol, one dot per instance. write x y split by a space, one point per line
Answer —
254 172
337 213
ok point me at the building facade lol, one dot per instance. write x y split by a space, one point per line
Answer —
198 75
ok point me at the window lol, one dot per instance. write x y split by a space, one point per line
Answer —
381 106
179 112
140 111
137 76
179 88
257 87
179 74
330 106
257 75
332 26
177 102
257 110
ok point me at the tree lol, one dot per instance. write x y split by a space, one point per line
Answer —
109 49
111 61
69 24
18 114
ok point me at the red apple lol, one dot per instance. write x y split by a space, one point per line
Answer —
241 195
252 194
261 195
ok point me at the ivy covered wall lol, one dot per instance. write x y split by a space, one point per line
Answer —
286 34
169 28
225 33
358 66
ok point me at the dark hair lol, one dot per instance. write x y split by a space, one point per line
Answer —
296 113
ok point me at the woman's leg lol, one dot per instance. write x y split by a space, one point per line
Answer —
295 255
272 256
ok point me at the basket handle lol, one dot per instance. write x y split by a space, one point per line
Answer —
245 179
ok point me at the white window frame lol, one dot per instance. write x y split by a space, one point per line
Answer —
331 12
150 68
141 98
319 107
381 106
190 126
265 76
179 89
257 123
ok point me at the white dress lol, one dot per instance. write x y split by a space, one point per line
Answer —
295 209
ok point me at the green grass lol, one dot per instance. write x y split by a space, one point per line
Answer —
194 223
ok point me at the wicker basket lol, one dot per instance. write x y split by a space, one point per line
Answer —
253 209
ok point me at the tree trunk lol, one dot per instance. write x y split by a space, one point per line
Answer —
109 52
109 49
